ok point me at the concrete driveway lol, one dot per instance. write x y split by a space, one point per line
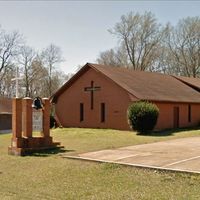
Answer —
178 155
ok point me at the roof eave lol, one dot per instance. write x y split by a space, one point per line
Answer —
172 101
55 96
187 83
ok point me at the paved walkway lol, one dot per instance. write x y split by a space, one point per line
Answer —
179 155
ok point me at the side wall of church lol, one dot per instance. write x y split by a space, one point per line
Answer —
188 115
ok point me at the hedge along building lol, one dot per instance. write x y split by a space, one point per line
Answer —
98 97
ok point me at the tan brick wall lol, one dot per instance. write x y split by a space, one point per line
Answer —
27 117
17 117
166 116
115 99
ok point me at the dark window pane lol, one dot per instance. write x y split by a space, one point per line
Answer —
102 112
189 113
81 112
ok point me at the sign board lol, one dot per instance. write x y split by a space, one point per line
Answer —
37 120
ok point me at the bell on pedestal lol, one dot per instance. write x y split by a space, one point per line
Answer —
37 103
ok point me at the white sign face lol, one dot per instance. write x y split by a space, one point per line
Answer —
37 120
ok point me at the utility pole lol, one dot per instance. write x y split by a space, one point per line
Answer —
16 79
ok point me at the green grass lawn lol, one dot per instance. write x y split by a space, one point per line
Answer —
49 176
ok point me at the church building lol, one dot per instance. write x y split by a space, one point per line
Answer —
98 96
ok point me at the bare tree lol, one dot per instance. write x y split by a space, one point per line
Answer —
58 79
51 56
141 35
114 57
184 46
25 59
9 46
40 75
7 87
39 83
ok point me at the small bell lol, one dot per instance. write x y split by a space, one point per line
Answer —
37 103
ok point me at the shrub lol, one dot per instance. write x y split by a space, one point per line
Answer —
142 116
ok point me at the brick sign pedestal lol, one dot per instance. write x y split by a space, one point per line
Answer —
22 142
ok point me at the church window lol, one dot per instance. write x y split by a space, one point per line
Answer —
189 113
102 112
81 112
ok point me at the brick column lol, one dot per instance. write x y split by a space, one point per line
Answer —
27 117
46 117
17 118
17 140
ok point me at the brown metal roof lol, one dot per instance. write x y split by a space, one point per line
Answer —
192 82
5 105
143 85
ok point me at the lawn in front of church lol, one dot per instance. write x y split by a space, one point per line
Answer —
49 176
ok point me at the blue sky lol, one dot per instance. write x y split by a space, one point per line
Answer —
80 28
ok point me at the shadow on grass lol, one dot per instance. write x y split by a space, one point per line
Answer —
169 132
49 152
